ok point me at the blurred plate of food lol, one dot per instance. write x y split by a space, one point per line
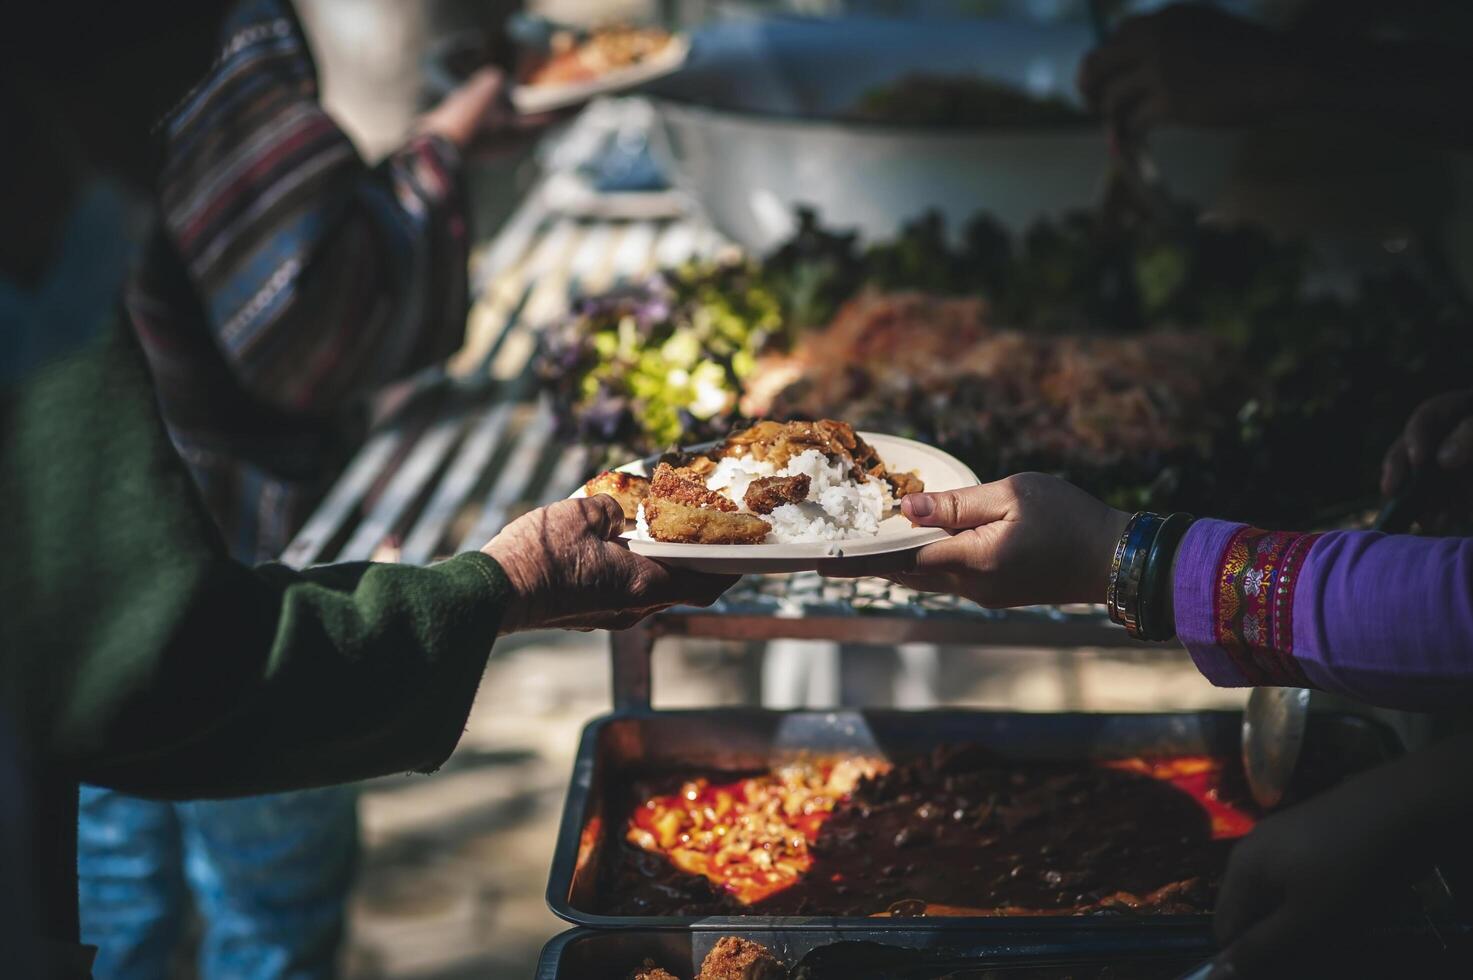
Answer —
581 66
779 497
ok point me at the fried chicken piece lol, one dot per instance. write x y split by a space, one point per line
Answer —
766 494
684 486
673 521
628 489
733 958
651 972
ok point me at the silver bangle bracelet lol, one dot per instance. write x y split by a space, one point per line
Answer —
1123 595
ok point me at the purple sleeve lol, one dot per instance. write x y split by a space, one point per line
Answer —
1197 560
1383 619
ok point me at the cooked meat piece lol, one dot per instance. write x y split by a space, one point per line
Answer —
766 494
865 456
671 520
903 483
686 487
733 958
700 464
651 972
626 488
778 442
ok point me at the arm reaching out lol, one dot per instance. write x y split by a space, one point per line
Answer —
1387 619
322 278
135 654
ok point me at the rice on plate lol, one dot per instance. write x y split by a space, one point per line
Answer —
779 496
837 508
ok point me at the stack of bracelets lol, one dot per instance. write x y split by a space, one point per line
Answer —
1139 594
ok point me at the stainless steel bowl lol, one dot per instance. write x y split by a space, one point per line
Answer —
755 126
750 173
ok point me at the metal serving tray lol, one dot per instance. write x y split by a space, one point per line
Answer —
616 747
1397 951
585 954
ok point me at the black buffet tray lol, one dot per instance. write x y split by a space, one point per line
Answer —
587 954
617 748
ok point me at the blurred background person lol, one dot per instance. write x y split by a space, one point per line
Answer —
1348 129
1192 64
288 282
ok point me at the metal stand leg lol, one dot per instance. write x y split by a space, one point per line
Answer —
631 651
865 676
1071 682
918 684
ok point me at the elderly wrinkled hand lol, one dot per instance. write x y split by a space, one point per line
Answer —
1188 64
1028 539
569 570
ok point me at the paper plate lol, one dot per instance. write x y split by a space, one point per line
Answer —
530 99
939 471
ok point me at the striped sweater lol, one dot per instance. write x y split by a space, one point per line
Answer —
288 279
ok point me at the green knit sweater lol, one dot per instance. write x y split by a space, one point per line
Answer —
135 654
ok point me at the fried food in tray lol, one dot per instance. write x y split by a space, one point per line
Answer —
629 490
753 837
736 958
1127 836
732 958
652 972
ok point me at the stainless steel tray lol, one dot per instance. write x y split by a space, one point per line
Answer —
586 954
616 747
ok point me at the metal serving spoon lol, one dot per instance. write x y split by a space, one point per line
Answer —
1273 735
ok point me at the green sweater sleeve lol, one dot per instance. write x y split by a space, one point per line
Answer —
136 654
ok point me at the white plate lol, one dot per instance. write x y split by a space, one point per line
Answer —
530 99
939 471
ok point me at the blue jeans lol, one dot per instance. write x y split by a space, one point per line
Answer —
269 875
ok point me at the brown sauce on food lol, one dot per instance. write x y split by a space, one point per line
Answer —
960 833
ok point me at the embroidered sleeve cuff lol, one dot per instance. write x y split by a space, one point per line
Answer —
1193 588
1243 626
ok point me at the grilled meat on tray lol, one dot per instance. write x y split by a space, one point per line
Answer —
733 958
652 972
